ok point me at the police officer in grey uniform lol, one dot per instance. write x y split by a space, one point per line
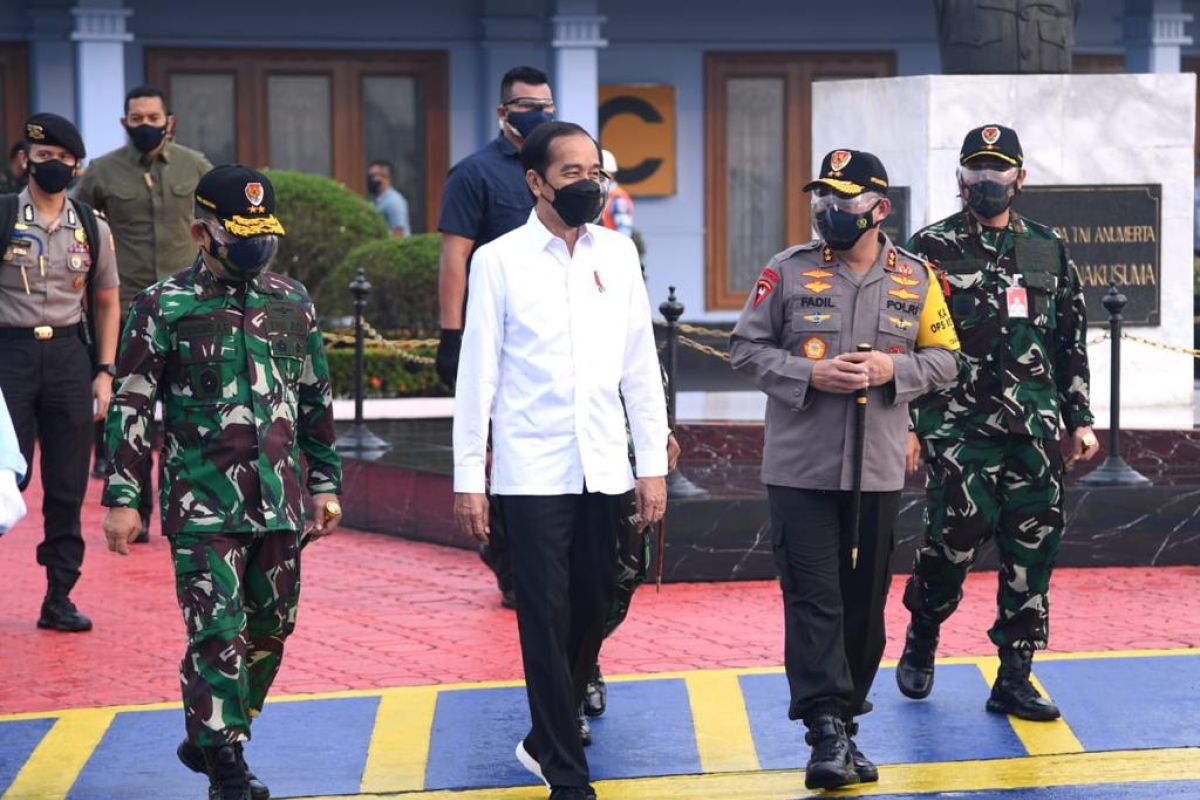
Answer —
53 387
796 340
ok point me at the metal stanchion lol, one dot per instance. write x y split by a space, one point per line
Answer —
1114 471
359 441
672 310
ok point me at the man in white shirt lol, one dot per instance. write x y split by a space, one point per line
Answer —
558 332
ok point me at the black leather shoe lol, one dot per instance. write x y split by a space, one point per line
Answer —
60 614
193 758
100 468
226 773
572 793
914 673
595 694
585 729
830 765
865 769
1014 694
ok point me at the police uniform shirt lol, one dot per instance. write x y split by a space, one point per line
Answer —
44 271
808 306
486 195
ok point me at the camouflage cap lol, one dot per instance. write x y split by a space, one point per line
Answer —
242 198
995 141
850 173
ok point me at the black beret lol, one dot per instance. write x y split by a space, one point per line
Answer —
242 198
53 129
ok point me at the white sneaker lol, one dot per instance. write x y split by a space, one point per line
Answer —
530 763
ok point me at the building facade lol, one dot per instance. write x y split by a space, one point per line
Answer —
706 103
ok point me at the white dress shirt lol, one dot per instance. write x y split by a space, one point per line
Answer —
553 341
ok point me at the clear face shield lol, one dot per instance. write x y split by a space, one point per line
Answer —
971 175
824 199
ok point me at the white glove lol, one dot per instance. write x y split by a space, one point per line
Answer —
12 506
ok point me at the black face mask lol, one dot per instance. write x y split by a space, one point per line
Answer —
990 199
51 176
841 229
523 122
373 186
578 203
146 137
246 256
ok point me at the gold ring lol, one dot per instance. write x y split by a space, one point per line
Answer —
333 509
1089 440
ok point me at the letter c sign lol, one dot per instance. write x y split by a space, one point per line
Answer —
637 123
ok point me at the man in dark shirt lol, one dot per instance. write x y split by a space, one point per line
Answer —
486 196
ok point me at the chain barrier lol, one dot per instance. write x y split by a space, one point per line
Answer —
703 348
1171 348
398 346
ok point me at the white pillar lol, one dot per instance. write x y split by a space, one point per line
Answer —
100 39
1154 33
577 43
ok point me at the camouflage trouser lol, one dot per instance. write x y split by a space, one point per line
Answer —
1010 487
238 595
633 558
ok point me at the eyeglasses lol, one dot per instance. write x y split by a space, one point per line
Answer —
530 103
858 204
972 175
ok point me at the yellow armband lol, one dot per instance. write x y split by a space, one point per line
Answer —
937 328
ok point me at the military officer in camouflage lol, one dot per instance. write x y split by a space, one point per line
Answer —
991 440
234 352
796 340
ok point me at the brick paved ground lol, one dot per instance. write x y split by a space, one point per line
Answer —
378 611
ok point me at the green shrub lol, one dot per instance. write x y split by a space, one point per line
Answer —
385 374
324 221
404 284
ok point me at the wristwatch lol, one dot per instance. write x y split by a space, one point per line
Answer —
109 369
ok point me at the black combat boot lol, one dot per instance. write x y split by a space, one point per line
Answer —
226 774
585 728
914 673
831 764
1013 693
60 614
193 758
595 694
865 769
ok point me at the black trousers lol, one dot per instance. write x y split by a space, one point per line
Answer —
48 389
564 565
833 614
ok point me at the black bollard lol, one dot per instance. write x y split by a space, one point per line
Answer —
1114 471
359 441
672 310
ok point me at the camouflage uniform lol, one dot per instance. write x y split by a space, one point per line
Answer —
992 438
242 374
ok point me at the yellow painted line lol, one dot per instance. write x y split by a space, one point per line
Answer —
399 750
1077 769
1038 738
680 675
723 737
56 762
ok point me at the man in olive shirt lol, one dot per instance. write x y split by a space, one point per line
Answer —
145 190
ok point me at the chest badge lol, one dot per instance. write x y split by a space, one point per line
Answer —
817 318
815 348
903 294
78 282
827 255
817 273
76 261
901 323
818 286
79 235
903 281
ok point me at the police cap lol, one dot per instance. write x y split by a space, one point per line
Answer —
995 141
54 130
242 198
850 173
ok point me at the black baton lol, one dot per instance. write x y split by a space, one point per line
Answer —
860 440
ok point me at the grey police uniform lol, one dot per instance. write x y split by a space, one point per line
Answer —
808 306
